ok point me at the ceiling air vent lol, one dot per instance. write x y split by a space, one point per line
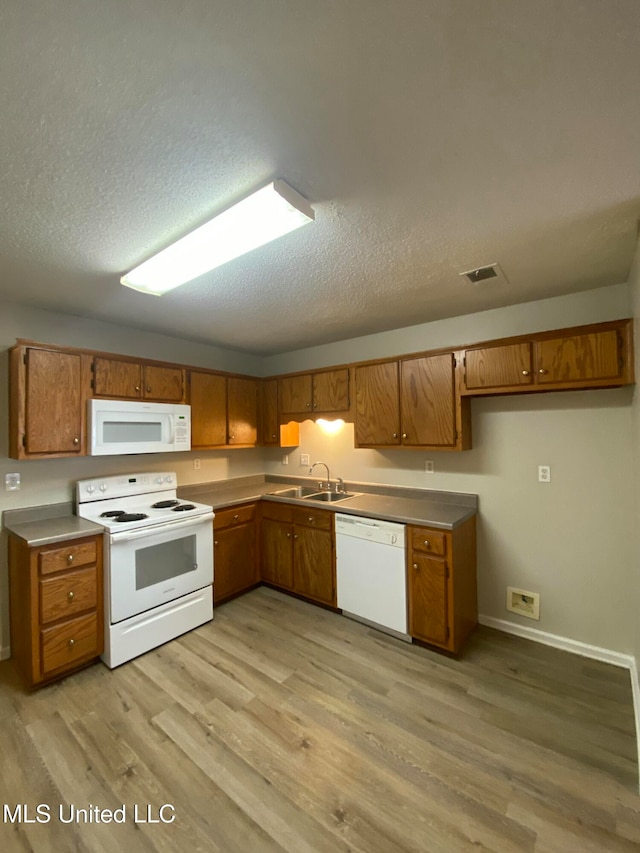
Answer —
486 273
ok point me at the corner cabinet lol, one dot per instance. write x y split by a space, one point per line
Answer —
584 357
412 402
49 388
224 410
235 563
442 587
56 607
298 553
272 433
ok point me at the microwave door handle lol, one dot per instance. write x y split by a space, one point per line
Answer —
160 528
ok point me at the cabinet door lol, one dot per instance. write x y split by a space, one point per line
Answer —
53 402
234 561
295 394
578 358
314 572
498 367
428 401
331 390
377 413
208 398
165 384
428 599
242 397
269 425
277 553
115 378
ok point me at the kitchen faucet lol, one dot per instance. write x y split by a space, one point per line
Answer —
328 475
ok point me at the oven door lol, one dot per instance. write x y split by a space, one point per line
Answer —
151 566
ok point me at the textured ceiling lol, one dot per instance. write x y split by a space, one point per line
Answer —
430 136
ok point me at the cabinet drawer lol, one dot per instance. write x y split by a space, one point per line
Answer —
65 644
428 540
68 557
234 515
67 594
313 518
277 511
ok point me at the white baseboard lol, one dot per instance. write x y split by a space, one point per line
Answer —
5 652
576 648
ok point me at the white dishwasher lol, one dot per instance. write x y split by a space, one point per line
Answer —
371 572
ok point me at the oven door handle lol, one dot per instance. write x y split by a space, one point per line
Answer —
160 528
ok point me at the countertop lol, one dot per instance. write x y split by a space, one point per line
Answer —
445 510
52 523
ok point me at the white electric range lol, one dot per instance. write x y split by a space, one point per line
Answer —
158 560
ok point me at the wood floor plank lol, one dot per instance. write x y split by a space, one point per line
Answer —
284 726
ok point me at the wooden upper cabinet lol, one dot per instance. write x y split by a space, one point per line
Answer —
48 407
597 356
130 379
578 358
497 367
208 399
428 401
296 394
377 413
242 402
269 421
324 391
331 390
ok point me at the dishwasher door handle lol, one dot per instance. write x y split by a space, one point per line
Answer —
364 524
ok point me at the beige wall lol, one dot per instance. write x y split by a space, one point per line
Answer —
570 540
52 481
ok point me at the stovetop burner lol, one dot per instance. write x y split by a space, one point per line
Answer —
112 513
183 507
164 504
131 516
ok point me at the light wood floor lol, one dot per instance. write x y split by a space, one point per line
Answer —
281 726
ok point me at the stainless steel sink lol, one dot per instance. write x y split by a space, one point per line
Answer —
331 497
296 492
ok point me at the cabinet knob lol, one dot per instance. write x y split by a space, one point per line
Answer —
137 387
76 440
542 371
415 565
72 642
395 434
288 536
148 390
404 435
315 405
525 372
215 541
232 438
71 596
308 405
426 543
70 558
295 535
311 519
274 435
236 517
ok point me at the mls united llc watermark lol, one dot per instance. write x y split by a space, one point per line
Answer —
44 813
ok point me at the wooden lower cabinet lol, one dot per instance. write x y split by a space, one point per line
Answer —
442 588
298 553
235 564
56 607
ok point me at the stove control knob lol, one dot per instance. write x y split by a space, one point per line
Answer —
158 480
103 487
91 489
168 479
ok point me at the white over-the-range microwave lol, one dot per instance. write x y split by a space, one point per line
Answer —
118 427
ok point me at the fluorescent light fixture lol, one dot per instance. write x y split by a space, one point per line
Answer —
260 218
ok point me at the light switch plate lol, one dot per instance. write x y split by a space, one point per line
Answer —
12 482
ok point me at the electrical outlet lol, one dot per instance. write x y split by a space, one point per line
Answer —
196 464
544 473
523 602
12 482
428 466
285 459
305 459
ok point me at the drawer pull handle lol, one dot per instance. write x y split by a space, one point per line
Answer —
72 642
311 519
70 558
71 596
236 517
